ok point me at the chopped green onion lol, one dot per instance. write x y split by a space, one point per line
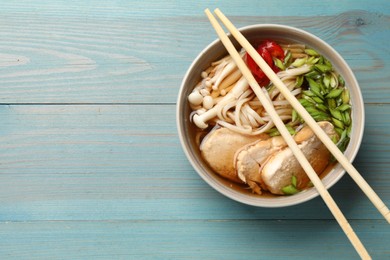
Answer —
304 102
327 62
343 135
338 123
310 99
311 52
312 109
341 81
349 129
335 93
291 130
320 117
332 103
333 82
323 68
294 181
345 96
275 132
313 74
347 118
339 131
312 60
326 80
322 107
299 81
344 107
315 87
321 60
342 145
290 190
279 64
299 62
336 114
318 100
308 93
287 59
294 115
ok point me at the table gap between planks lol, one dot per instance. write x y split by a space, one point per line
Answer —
90 162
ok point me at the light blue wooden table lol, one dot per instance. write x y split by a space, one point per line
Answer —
90 162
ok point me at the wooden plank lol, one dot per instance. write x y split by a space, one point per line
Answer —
90 163
119 58
96 162
192 239
151 8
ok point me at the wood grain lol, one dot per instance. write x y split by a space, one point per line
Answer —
236 239
80 162
91 166
100 59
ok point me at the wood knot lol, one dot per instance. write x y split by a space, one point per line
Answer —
360 22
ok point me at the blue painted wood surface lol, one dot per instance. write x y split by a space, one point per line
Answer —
90 163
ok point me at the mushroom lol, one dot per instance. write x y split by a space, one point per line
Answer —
240 87
219 147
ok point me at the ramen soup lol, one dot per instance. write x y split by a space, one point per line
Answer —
237 137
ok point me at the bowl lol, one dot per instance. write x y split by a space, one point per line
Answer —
216 50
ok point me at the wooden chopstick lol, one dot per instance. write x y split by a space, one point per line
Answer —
360 181
343 222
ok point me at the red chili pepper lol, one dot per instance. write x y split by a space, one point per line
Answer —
267 50
274 48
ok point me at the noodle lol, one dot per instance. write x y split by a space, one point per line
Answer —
235 106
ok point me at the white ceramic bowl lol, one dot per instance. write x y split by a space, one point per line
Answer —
216 50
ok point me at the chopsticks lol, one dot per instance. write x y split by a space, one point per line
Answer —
364 186
264 99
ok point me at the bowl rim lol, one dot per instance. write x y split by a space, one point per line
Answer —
282 201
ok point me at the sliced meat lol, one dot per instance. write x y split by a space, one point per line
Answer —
219 147
250 158
278 170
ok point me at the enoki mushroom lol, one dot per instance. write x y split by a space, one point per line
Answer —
224 97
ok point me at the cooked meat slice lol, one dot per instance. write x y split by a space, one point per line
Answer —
219 147
250 158
281 166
